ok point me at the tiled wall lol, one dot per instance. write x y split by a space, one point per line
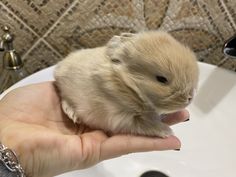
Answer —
47 30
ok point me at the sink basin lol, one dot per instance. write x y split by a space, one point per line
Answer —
208 139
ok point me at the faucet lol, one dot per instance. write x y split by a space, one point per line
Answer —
11 59
229 48
12 70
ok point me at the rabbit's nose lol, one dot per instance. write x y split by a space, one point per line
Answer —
191 95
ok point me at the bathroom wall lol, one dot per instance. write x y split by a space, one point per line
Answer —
47 30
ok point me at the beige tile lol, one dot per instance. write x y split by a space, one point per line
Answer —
219 18
116 8
229 64
63 36
204 25
222 26
231 4
39 15
196 39
99 37
90 24
40 57
154 12
213 55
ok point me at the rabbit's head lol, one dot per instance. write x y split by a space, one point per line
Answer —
162 71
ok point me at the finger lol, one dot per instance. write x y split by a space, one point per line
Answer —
124 144
176 117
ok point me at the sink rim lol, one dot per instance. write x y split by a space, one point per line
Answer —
185 162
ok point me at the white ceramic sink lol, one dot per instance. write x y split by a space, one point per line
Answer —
208 139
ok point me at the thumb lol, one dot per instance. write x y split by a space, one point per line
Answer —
125 144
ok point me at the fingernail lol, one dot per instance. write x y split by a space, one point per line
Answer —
177 149
186 120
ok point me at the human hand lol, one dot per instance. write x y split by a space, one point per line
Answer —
47 143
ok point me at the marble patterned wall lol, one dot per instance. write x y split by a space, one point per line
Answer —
47 30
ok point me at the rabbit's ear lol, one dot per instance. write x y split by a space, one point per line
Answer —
126 36
116 43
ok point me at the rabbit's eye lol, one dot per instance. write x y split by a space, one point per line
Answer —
116 61
161 79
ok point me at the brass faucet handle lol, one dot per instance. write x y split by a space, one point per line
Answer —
1 45
6 28
6 40
7 36
2 41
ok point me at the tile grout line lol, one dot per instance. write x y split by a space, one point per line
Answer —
220 63
26 25
31 48
35 44
37 35
48 31
59 19
228 13
51 47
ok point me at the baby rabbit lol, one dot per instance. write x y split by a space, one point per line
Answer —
129 84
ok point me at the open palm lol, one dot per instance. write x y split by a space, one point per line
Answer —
48 143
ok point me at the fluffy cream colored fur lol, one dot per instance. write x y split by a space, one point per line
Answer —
127 85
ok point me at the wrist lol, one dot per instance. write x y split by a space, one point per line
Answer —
10 148
4 172
9 160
